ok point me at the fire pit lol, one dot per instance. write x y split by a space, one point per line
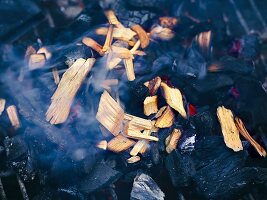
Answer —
139 100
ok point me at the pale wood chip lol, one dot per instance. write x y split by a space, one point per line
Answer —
2 105
140 144
142 35
93 44
150 105
13 116
110 114
55 75
135 134
229 129
30 50
103 144
68 86
174 98
128 63
109 39
121 52
124 34
133 159
173 140
36 61
120 143
112 19
46 52
243 131
166 119
139 123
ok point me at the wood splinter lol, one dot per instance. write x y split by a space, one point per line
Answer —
243 131
109 39
2 105
103 144
69 85
55 75
140 145
13 116
119 144
93 44
110 114
229 129
174 98
166 119
150 105
36 61
133 159
112 19
142 35
172 140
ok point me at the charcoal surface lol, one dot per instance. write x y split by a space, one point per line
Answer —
223 172
145 188
101 176
180 168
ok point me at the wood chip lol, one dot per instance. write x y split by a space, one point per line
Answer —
44 50
168 22
121 52
159 32
142 35
68 86
120 143
2 105
229 129
160 112
243 131
93 44
138 135
13 116
173 140
110 114
133 159
150 105
141 144
124 34
55 75
30 50
112 19
153 85
138 122
36 61
103 144
128 63
109 39
174 98
166 119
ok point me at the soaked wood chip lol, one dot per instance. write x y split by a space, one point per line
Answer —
243 131
153 85
142 35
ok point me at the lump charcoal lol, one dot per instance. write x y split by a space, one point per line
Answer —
236 65
101 176
16 148
193 64
250 46
187 140
211 82
180 168
205 122
145 188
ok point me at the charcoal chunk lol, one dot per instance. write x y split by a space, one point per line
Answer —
180 168
145 188
101 176
250 46
220 172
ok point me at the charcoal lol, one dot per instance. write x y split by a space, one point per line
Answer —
211 82
145 188
16 148
236 65
101 176
187 140
193 64
180 168
250 46
147 3
220 171
205 122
